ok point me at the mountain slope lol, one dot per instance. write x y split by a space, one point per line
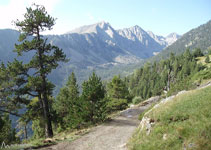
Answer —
199 37
177 122
90 47
141 42
8 38
165 41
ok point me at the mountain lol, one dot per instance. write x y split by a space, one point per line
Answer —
8 38
97 46
94 28
171 38
165 41
141 43
199 37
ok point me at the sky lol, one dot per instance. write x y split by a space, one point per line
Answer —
159 16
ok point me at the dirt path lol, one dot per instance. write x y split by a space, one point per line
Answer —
110 136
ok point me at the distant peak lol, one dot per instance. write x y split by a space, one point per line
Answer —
173 34
136 27
93 28
103 24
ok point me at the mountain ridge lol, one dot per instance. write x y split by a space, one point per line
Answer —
94 46
199 37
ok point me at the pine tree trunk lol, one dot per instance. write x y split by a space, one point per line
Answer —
46 115
48 125
25 132
44 96
168 83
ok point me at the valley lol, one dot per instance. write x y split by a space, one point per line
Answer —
101 85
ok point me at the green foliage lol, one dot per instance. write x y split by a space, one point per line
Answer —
141 115
24 81
115 104
184 122
7 134
94 97
69 106
197 52
201 75
196 38
137 100
207 59
38 127
118 94
117 88
173 74
34 113
209 51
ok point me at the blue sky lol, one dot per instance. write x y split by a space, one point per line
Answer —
160 16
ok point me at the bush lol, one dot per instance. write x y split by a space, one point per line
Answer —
207 60
204 74
117 104
38 128
137 100
7 133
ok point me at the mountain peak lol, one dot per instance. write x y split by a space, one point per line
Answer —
136 28
103 25
173 34
172 37
93 28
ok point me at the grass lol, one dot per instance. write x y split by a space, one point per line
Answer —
59 137
202 60
185 122
143 113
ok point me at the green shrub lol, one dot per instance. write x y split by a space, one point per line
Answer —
38 128
141 115
7 133
207 60
117 104
137 100
204 74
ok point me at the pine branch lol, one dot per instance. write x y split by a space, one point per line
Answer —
11 113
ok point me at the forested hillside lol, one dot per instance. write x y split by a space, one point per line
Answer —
27 90
199 37
171 75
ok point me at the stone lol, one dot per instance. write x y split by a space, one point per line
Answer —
164 136
48 140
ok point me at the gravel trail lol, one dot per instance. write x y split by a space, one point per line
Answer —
109 136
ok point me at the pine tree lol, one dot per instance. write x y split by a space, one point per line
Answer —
94 96
7 134
29 80
187 55
197 53
117 88
118 94
68 105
